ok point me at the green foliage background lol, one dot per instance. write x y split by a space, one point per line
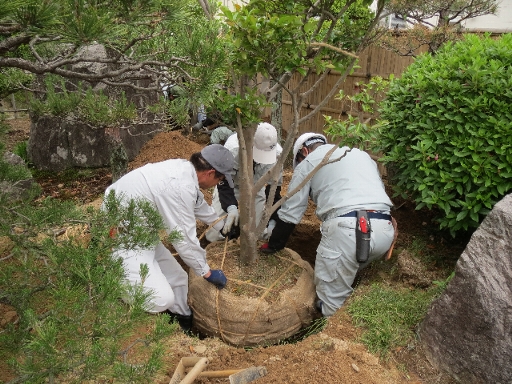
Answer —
61 278
447 130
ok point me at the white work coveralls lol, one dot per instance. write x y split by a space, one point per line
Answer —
173 187
351 184
258 169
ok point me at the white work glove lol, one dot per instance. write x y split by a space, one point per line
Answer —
232 219
268 231
212 235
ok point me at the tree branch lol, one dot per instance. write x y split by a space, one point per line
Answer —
13 42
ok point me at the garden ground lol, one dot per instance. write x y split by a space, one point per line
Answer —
334 355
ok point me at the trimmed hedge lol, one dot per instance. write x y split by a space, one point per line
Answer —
447 130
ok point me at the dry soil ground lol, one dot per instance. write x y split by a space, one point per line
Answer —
333 355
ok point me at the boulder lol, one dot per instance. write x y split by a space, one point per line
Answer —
468 329
13 159
56 144
60 142
18 190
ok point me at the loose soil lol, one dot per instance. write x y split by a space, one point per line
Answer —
275 273
333 355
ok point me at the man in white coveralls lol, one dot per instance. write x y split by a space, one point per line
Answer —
174 188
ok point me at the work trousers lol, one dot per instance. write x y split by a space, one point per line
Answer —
167 281
336 265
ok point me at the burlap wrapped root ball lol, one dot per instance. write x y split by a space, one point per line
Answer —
243 320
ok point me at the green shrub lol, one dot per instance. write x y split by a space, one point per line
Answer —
9 172
12 80
448 130
94 108
21 150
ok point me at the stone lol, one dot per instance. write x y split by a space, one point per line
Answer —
468 330
20 189
57 143
13 159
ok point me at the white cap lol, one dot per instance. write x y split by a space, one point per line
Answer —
307 138
265 144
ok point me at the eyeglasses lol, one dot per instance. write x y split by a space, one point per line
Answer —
299 157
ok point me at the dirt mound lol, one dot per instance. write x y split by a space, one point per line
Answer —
165 146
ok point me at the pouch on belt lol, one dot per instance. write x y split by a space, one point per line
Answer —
363 237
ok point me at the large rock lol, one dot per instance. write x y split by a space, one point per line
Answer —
468 330
58 143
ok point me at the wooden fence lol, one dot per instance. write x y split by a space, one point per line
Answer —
11 110
374 61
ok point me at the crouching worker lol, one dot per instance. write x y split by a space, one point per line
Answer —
265 152
346 192
173 187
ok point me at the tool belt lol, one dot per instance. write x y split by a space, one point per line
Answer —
363 236
364 229
371 215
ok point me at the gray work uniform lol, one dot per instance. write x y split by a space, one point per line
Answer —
220 135
350 184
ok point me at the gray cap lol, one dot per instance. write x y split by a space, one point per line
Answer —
221 159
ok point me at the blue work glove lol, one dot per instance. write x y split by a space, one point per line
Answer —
232 219
217 278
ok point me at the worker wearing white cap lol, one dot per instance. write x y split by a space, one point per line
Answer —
173 186
353 206
225 199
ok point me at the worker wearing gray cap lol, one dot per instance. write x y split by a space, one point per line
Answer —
173 186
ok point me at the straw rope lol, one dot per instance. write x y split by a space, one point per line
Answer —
262 297
227 334
218 290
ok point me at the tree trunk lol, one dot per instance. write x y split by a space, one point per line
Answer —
246 201
277 114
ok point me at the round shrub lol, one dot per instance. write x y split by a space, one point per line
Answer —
447 130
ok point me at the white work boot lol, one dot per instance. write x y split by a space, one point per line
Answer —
213 235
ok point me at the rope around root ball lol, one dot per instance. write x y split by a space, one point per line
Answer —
266 292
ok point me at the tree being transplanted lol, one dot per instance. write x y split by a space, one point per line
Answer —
447 130
279 40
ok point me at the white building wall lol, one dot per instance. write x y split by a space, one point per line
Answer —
501 22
